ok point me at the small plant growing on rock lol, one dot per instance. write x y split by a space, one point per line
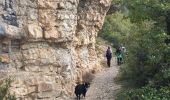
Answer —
4 90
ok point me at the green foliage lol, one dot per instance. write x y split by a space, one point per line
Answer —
147 51
115 28
143 30
145 55
146 93
146 9
4 91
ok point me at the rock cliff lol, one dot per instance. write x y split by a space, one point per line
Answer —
48 45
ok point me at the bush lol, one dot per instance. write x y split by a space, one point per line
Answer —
144 32
115 28
146 93
4 90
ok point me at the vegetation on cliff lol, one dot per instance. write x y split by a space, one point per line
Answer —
143 27
4 90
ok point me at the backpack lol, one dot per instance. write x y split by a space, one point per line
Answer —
119 55
108 53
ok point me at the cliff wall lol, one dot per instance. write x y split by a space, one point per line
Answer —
48 45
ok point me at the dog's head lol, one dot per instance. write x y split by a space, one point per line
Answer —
86 84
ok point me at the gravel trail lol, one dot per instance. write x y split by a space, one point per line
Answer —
103 86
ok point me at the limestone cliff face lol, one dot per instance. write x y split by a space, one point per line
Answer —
48 45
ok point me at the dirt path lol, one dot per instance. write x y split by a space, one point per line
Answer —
103 86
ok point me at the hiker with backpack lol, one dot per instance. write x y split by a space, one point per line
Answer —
108 56
119 56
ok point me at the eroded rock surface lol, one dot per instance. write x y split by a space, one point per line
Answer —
48 45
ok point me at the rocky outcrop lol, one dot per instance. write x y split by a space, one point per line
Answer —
48 45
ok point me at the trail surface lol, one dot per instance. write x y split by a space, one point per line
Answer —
103 86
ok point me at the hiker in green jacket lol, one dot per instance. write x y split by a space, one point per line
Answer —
119 56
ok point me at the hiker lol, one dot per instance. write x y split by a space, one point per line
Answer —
123 54
119 55
108 56
123 49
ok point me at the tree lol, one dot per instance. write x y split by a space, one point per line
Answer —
147 42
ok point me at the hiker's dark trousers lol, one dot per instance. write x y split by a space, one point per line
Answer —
119 61
108 61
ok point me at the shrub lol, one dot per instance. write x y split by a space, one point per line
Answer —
4 90
146 93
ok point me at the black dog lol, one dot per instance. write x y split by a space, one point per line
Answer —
81 89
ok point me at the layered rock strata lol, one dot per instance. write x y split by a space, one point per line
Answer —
48 45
